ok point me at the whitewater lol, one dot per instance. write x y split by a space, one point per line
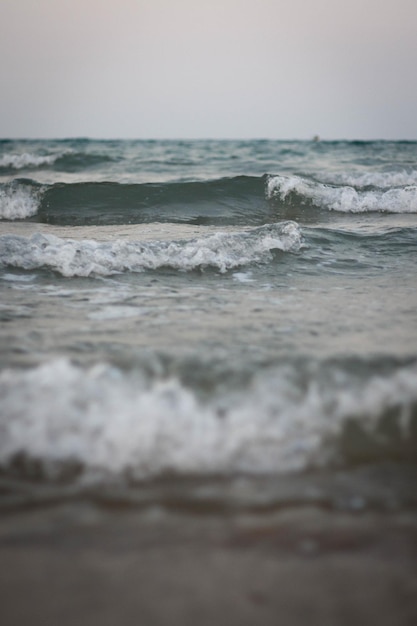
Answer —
204 309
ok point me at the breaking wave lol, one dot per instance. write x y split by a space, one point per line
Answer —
26 160
381 180
19 200
221 250
109 422
67 160
240 200
295 190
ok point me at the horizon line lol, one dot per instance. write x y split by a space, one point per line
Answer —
313 139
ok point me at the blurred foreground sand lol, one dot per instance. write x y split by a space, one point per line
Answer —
72 564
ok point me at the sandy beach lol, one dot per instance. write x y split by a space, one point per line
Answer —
77 564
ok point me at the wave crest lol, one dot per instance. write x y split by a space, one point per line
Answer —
346 199
221 250
289 418
67 160
381 180
26 160
19 200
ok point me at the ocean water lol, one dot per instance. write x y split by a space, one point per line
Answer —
208 313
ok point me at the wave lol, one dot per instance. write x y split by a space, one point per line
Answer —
296 191
372 180
19 199
238 200
107 422
72 161
26 160
67 160
352 250
223 251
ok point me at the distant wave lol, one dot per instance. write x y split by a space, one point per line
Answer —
289 418
223 251
66 160
296 190
72 161
26 160
372 180
240 200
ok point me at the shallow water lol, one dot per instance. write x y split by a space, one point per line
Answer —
205 309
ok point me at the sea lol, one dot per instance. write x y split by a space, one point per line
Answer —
213 325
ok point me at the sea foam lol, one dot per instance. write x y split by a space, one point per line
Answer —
346 199
110 422
18 201
26 160
221 250
381 180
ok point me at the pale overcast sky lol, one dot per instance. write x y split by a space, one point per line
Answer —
208 68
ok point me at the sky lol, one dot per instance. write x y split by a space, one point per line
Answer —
279 69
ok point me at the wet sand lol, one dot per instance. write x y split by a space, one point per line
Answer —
78 564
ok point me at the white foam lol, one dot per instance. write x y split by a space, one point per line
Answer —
111 422
381 180
19 278
27 160
345 199
221 250
243 277
18 201
117 312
